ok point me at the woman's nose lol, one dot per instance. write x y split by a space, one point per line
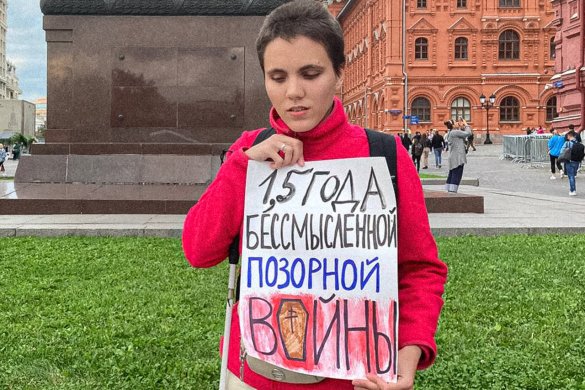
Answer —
294 88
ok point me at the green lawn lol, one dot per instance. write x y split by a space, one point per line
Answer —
431 176
128 313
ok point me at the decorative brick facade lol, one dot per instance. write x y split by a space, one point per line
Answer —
456 50
570 48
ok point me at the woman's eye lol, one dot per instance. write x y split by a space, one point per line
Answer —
278 79
311 76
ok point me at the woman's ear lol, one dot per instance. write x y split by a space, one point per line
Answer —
339 82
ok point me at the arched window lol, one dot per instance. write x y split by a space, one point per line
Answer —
551 109
552 48
509 45
421 49
421 107
461 48
509 3
509 110
461 107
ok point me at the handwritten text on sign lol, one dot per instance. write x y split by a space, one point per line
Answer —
319 289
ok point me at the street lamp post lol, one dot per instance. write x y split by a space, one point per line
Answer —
487 105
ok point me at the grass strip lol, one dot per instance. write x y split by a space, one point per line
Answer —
129 313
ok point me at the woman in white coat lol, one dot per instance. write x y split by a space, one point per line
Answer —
458 133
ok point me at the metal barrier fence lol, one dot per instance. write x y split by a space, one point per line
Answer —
526 148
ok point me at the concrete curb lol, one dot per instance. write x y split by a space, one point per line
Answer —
176 233
90 232
500 231
443 180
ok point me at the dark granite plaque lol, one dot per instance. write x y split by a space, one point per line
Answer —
159 7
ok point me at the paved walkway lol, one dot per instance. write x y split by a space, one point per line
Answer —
518 199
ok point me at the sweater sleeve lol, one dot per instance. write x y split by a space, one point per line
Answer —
421 274
213 222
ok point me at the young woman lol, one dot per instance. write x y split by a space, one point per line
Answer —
2 159
458 133
555 144
301 52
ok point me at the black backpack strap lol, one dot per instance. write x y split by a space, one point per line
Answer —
264 135
235 245
384 145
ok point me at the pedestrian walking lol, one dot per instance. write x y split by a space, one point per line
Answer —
575 159
456 136
406 142
555 144
469 143
438 144
3 156
426 144
301 53
417 151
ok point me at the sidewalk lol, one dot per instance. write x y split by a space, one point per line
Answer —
518 200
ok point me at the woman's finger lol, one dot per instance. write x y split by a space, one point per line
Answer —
277 160
288 154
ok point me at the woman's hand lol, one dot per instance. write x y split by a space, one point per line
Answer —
462 123
408 358
281 149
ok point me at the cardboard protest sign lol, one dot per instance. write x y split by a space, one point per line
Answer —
319 289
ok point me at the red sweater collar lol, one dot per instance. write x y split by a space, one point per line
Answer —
322 133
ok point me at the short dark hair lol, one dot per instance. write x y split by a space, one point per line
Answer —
307 18
572 133
571 126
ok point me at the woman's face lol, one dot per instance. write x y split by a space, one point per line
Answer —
300 81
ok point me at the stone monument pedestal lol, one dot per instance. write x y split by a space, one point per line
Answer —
142 97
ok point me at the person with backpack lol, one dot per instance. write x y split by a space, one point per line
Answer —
426 143
458 133
301 53
576 157
417 151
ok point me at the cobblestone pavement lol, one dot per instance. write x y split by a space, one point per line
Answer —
487 165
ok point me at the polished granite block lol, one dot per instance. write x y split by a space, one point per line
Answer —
155 73
35 198
91 148
46 169
146 99
118 169
56 136
103 169
144 66
143 107
445 202
175 169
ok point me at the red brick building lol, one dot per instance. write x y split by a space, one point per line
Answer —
455 51
569 77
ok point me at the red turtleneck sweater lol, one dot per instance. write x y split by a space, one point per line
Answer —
216 219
